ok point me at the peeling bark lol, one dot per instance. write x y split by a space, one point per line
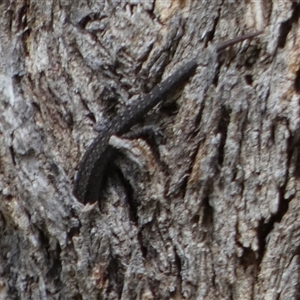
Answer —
208 210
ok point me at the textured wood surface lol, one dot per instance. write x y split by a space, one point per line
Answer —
209 212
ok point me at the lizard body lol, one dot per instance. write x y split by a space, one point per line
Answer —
89 178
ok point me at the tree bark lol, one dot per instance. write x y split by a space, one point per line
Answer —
208 210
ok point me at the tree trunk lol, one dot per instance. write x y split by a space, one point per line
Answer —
208 209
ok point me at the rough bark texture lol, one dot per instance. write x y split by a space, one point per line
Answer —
211 211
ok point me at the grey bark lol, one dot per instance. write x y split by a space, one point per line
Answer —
211 211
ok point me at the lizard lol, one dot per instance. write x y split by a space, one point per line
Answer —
89 179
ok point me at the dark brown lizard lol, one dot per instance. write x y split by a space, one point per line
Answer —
89 179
